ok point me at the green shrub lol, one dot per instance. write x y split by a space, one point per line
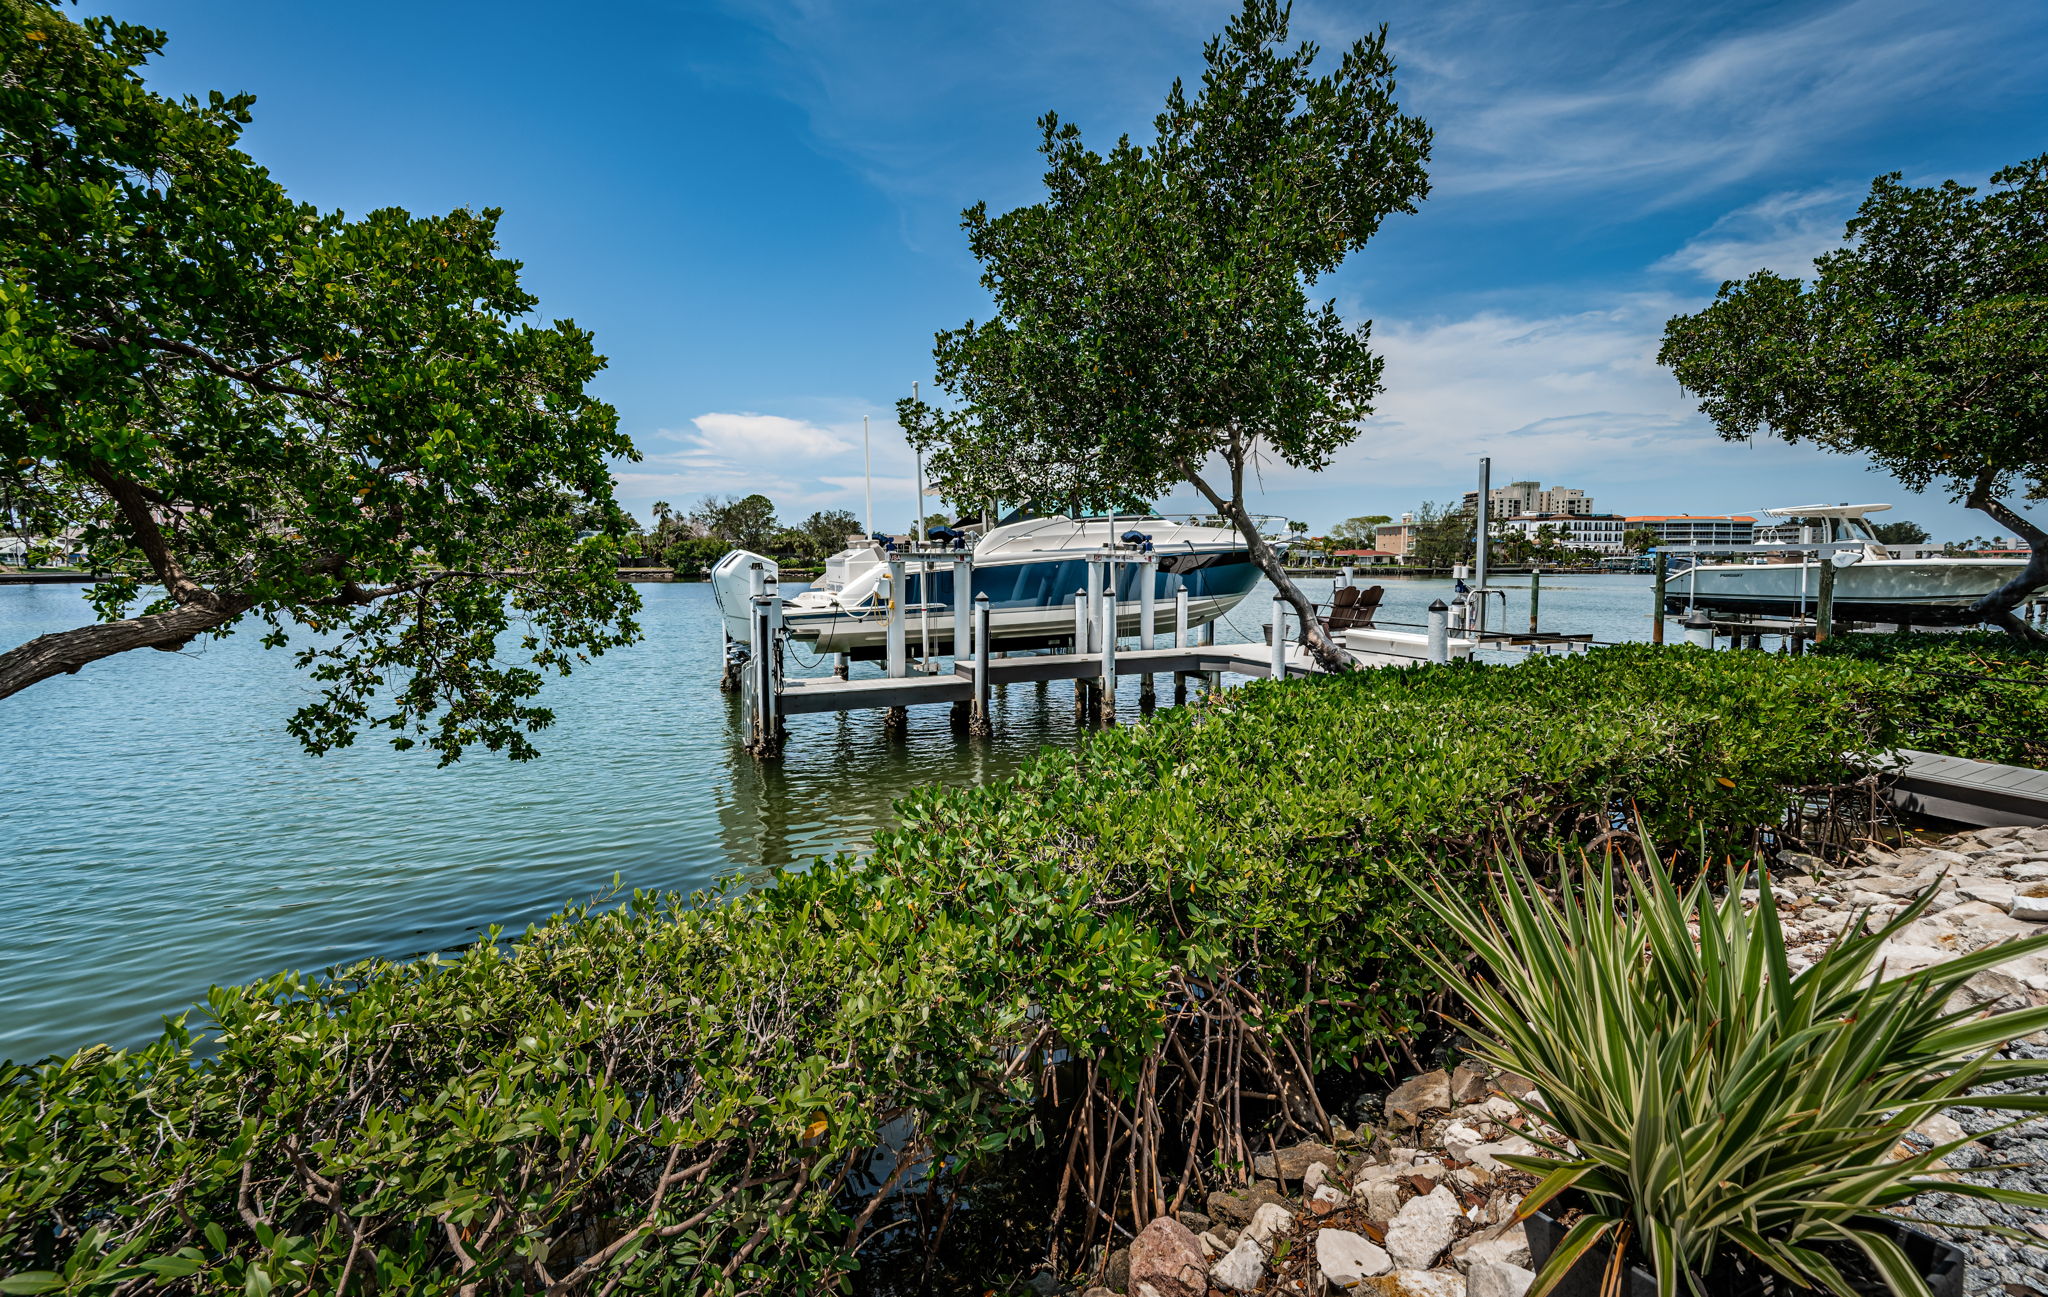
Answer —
1708 1102
1174 926
1979 694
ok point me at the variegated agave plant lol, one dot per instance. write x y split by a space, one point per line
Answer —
1710 1101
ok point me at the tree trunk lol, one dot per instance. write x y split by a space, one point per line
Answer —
1320 646
1997 607
64 652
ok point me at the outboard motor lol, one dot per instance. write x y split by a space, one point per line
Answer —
1138 538
947 537
888 543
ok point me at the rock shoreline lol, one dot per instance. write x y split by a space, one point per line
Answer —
1424 1207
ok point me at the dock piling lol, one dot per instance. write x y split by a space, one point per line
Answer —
1439 632
1080 621
764 738
1180 618
1535 594
1662 571
1699 629
894 648
1278 666
1824 605
979 723
1106 700
1147 600
963 607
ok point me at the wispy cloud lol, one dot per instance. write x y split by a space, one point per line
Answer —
1781 232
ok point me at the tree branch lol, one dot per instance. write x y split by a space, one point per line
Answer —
64 652
1997 607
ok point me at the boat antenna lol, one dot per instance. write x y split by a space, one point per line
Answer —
867 450
920 478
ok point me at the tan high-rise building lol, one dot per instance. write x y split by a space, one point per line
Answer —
1519 498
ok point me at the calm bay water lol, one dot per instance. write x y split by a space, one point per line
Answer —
161 833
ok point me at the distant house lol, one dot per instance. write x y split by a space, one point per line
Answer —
1363 557
1695 528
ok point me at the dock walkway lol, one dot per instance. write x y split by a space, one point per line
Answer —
1983 793
801 697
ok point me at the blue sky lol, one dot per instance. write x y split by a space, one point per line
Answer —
754 204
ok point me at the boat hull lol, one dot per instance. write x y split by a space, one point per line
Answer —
1922 592
1031 604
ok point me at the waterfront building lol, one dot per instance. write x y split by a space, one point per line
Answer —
1696 528
1518 499
1396 538
1363 558
1600 532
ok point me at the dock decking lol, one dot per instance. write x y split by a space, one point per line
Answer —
1983 793
802 697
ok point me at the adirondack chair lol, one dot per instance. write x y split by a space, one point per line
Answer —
1352 608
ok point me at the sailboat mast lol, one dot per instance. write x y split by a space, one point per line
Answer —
867 450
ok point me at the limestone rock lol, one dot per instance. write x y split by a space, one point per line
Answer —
1194 1220
1459 1139
1119 1274
1424 1227
1383 1199
1941 1129
1237 1208
1430 1092
1509 1245
1416 1283
1268 1223
1242 1269
1292 1163
1991 891
1328 1198
2030 902
1212 1246
1468 1084
1317 1175
1346 1258
1099 1291
1498 1279
1488 1155
1993 990
1167 1256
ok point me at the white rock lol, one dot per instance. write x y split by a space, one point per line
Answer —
1423 1228
2030 902
1488 1155
1497 1279
2028 871
1347 1258
1382 1199
1317 1175
1242 1269
1330 1198
1423 1283
1991 891
1459 1138
1269 1221
1509 1245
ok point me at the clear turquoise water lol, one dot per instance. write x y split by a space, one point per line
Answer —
161 833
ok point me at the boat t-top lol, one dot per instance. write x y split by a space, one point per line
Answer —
1030 570
1870 585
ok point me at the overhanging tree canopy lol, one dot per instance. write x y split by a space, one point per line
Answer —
246 407
1922 344
1153 321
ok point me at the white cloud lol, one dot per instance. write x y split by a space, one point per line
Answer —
1782 232
765 438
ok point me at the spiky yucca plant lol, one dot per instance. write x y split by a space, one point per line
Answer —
1710 1101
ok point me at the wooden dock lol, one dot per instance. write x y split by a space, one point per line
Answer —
1983 793
802 697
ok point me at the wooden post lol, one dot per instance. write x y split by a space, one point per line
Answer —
895 651
1535 594
979 723
1663 571
1824 605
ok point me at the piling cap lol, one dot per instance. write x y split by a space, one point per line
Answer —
1439 606
1696 618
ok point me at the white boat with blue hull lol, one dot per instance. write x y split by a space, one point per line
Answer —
1030 571
1870 585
